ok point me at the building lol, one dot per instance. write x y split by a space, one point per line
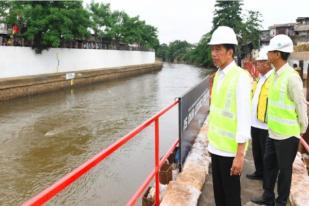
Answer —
287 29
3 29
3 34
299 31
265 37
302 20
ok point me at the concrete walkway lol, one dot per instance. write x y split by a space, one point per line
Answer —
249 188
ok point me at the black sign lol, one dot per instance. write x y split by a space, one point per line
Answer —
193 109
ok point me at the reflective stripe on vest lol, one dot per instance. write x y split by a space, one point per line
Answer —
222 123
282 116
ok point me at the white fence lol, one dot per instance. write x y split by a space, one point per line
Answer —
21 61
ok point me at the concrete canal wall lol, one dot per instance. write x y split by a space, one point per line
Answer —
23 73
23 61
11 88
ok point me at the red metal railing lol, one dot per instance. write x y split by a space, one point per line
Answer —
57 187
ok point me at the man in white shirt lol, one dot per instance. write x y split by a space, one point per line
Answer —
229 118
259 129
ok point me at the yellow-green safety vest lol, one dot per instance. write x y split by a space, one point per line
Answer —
282 116
222 120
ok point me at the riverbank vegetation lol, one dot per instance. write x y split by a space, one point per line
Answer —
229 13
69 24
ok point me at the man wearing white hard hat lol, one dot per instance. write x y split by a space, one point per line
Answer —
259 129
229 118
286 120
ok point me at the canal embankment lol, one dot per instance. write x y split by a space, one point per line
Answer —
24 73
14 87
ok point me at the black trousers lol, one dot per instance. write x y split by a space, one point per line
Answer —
226 187
279 157
258 148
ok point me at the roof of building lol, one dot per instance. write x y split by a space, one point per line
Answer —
302 18
282 25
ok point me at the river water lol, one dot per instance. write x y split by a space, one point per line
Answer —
46 136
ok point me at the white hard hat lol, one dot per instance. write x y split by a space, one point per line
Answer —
263 54
223 35
282 43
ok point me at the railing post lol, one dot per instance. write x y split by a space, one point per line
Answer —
180 128
157 161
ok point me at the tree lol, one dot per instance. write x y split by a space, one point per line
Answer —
251 30
247 28
200 55
149 36
101 19
228 13
162 52
176 51
4 6
48 23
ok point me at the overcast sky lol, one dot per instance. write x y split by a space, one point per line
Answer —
189 20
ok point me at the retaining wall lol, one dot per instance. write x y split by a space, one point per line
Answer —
23 61
14 87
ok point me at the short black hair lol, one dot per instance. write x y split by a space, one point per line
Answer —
284 55
230 46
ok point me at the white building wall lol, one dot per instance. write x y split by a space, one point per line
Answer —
21 61
305 65
3 28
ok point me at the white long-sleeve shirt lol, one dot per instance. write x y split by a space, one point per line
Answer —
255 122
243 95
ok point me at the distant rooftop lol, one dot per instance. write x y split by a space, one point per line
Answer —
302 18
282 25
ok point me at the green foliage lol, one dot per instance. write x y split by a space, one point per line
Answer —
201 54
227 13
176 51
247 27
162 52
101 19
119 26
251 30
49 23
182 51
